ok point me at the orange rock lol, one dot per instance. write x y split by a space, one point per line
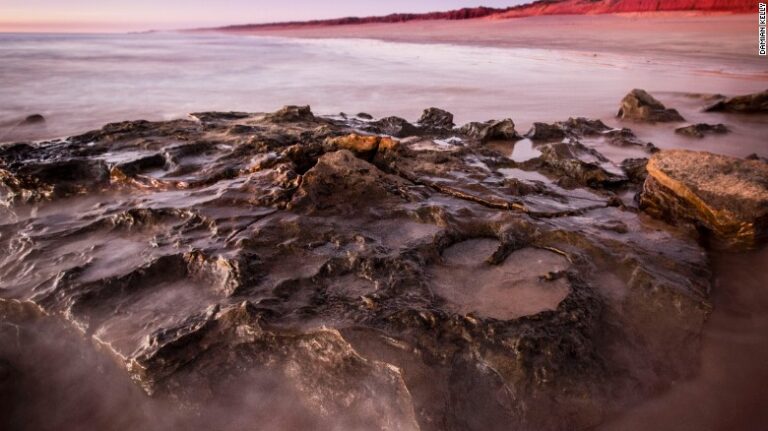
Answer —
362 145
726 195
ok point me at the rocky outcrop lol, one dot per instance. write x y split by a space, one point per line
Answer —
290 114
748 104
580 128
491 130
394 126
725 195
543 132
33 120
583 165
638 105
701 130
436 118
299 267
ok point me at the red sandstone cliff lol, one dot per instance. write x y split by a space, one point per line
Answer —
590 7
541 7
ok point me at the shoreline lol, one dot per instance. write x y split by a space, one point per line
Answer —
585 33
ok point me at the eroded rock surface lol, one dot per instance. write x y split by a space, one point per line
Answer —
747 104
725 195
436 118
442 281
492 130
638 105
702 129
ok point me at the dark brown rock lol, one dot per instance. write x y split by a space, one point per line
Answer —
638 105
748 104
700 130
544 132
635 169
581 126
33 119
289 114
491 130
581 164
436 118
395 126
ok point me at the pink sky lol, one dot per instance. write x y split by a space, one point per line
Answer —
119 15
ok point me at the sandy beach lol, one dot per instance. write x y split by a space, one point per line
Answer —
673 33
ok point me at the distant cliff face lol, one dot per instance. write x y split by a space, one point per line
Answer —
458 14
587 7
541 7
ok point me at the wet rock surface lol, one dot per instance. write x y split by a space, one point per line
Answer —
725 195
436 118
747 104
638 105
702 129
441 281
491 130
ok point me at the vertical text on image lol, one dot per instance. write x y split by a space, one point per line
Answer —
761 29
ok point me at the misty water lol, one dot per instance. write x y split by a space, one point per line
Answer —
80 82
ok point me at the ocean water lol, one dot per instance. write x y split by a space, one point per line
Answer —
80 82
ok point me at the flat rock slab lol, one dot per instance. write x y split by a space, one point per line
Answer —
726 195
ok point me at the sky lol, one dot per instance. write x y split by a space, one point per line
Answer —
137 15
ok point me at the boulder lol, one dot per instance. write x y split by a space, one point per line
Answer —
747 104
702 129
291 114
33 120
543 132
394 126
725 195
493 130
436 118
638 105
581 126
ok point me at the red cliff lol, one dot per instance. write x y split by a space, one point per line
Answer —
541 7
591 7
